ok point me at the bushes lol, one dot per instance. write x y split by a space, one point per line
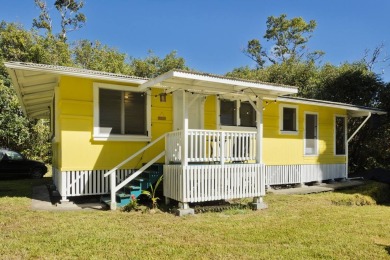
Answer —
371 194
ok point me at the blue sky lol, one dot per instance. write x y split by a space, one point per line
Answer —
210 34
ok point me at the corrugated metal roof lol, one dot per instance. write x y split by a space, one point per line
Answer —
354 109
71 70
234 79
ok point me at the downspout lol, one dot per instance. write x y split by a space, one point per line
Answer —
347 144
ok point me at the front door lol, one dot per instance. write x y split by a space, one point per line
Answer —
195 110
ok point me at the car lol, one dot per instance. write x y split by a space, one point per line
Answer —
14 164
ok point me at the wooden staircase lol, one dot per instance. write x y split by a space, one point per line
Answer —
134 188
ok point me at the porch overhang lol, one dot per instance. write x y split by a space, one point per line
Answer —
208 84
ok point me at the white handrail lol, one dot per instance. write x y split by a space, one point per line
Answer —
138 172
134 155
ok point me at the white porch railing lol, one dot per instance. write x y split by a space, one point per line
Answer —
212 146
196 183
88 182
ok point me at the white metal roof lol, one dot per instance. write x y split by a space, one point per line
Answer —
214 84
354 111
35 83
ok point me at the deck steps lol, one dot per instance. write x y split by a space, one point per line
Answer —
136 186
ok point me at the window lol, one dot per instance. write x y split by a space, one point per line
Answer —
247 115
121 114
311 134
340 135
288 119
229 116
228 112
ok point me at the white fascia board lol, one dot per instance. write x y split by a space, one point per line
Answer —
81 74
359 111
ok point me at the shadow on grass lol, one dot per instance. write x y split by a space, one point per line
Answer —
20 186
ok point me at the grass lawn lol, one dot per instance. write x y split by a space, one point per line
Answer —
293 227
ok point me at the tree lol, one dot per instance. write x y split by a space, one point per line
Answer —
71 17
348 83
153 65
17 131
287 73
289 39
14 132
95 56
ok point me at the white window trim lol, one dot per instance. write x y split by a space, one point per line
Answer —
238 119
281 131
304 135
98 136
345 134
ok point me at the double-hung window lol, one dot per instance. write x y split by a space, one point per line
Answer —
121 114
237 113
288 119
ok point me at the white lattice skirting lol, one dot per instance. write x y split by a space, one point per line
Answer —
292 174
196 183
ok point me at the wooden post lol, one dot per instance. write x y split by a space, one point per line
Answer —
222 148
259 136
64 186
112 190
184 150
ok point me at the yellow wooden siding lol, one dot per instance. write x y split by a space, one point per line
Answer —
77 148
279 148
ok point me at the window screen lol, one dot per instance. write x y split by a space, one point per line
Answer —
247 114
122 112
289 119
228 113
135 113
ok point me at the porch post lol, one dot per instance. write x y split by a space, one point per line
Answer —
184 208
112 190
258 201
259 137
184 150
63 186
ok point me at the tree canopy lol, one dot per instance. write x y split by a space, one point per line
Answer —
289 39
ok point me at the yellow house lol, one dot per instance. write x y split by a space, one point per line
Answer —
216 137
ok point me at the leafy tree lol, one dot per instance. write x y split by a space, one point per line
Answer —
348 83
289 38
95 56
15 42
299 74
14 132
153 65
71 17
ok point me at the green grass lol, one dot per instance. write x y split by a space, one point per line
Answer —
293 227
